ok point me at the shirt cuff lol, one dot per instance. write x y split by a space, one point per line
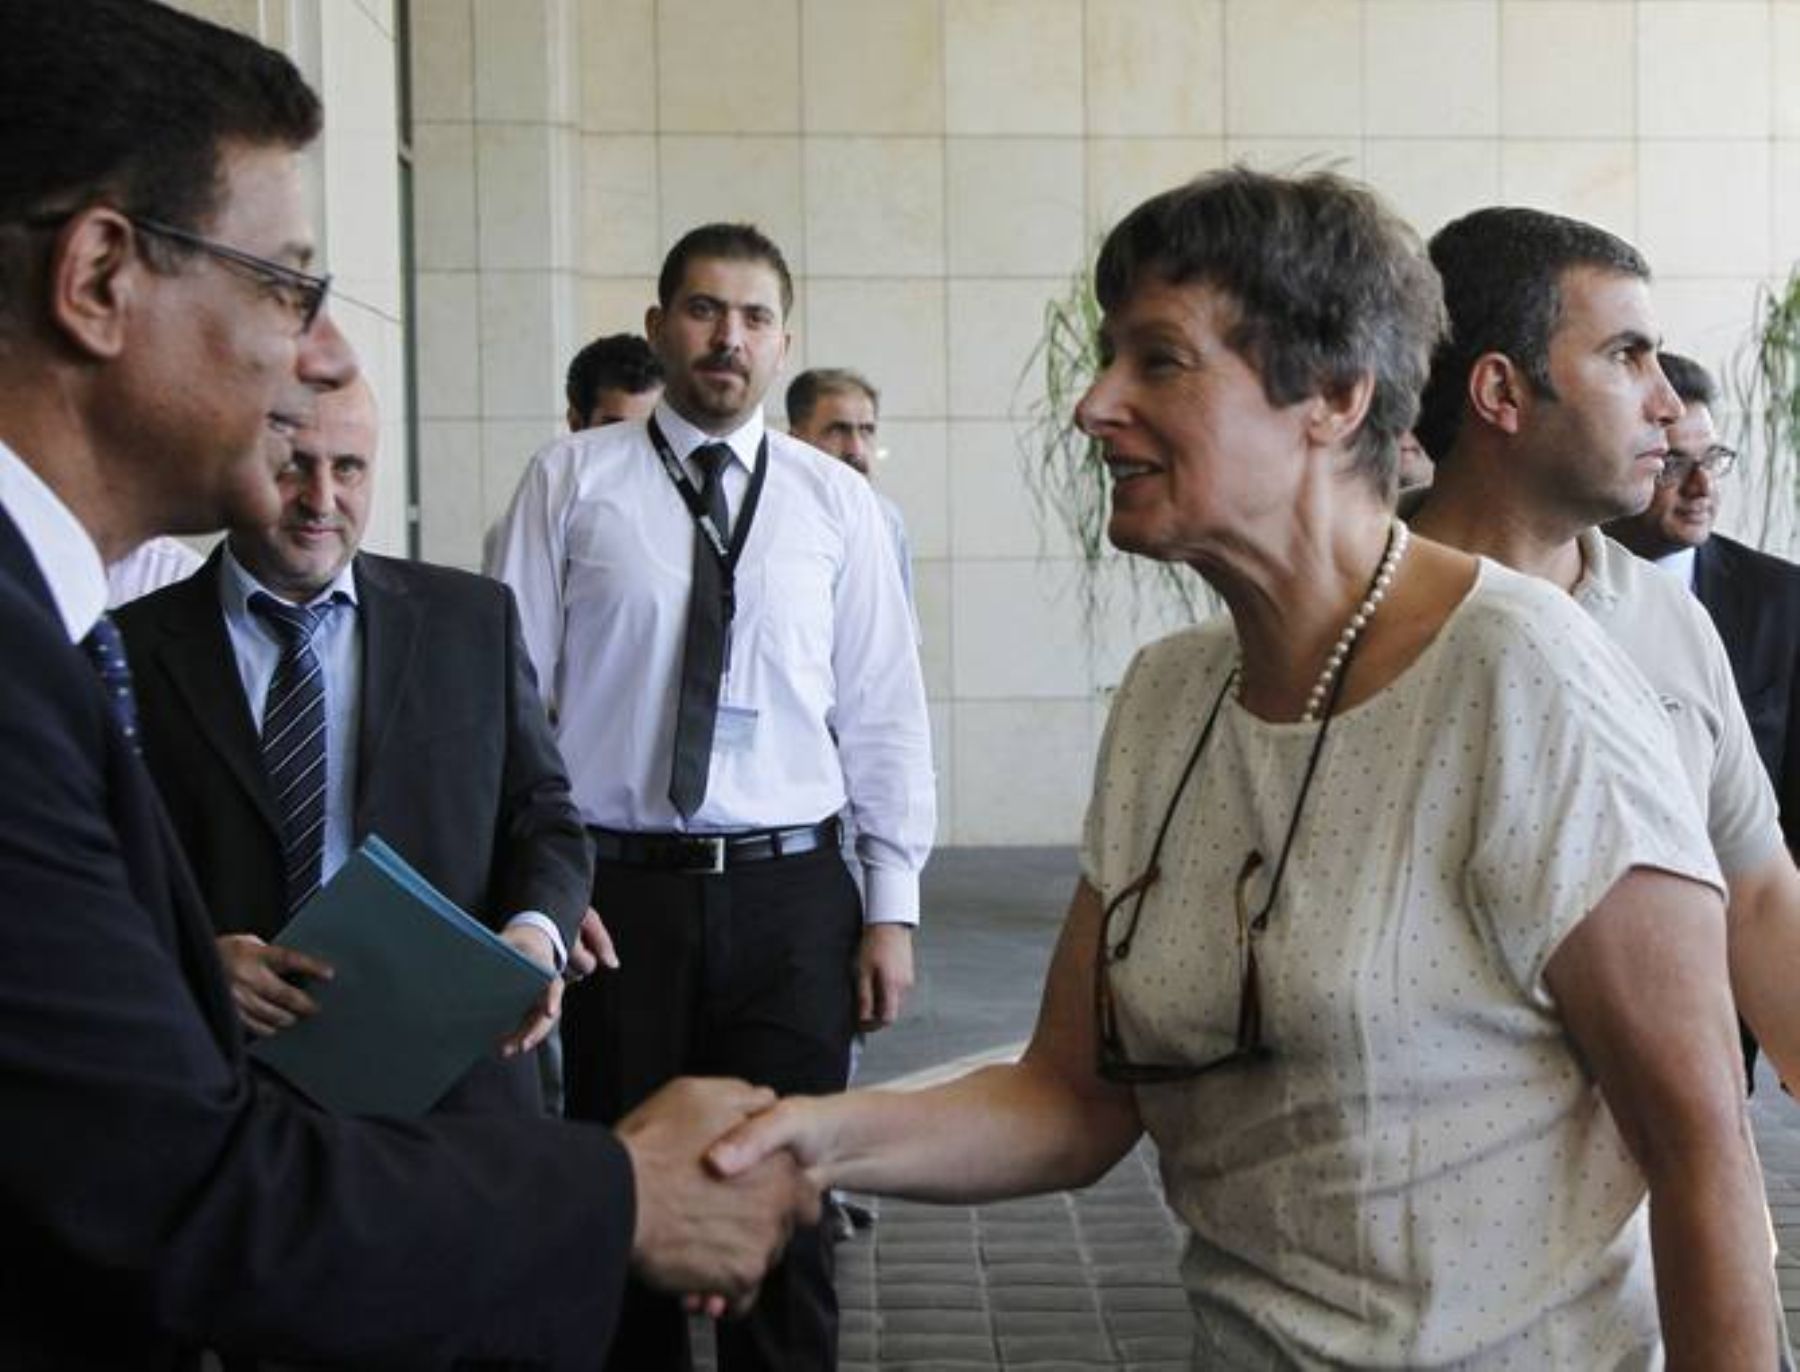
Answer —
890 896
537 919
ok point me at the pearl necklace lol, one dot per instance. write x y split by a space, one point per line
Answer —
1398 537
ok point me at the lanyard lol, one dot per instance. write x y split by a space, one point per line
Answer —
727 555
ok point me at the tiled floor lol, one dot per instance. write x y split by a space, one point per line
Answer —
1082 1279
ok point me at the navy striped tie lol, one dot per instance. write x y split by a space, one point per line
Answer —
105 648
293 742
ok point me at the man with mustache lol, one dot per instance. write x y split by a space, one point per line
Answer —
427 729
717 617
1546 413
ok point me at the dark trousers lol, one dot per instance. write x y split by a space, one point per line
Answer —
748 974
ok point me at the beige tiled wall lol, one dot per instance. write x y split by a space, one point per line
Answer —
935 169
346 48
499 194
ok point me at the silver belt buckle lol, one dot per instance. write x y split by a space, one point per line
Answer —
709 854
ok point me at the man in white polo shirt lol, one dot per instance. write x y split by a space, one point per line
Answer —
1547 413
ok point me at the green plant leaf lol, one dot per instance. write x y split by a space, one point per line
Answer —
1764 386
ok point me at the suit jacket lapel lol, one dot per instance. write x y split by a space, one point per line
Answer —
1720 586
391 628
1715 587
1707 574
134 795
195 651
17 560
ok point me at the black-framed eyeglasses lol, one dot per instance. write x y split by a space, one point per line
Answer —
1115 1064
1717 462
301 292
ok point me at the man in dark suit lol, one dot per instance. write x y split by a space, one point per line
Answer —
432 735
1754 600
157 1195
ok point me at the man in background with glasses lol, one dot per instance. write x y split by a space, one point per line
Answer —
1678 521
1753 598
1547 413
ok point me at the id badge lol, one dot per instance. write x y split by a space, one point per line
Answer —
734 729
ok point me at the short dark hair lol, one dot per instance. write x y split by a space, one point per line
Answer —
617 362
1329 285
128 103
734 243
1692 382
1502 270
814 384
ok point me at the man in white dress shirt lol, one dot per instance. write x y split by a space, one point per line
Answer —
716 616
838 411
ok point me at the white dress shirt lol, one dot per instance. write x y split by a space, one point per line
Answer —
822 700
149 567
65 551
1679 564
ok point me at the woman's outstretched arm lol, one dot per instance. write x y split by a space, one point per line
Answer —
1044 1123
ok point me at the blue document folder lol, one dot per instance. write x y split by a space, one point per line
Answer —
421 992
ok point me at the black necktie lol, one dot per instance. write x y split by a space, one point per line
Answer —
703 653
105 648
293 742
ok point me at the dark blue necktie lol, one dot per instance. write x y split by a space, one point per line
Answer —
293 742
105 648
703 652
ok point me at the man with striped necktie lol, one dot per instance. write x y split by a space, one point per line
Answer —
297 695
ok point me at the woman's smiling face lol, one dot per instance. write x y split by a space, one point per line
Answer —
1192 442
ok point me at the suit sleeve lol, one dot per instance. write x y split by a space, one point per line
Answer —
541 855
1788 782
144 1169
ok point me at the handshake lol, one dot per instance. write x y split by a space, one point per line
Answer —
699 1231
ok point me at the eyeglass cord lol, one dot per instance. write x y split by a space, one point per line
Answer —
1121 948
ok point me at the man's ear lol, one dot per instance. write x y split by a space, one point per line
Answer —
652 322
95 276
1497 392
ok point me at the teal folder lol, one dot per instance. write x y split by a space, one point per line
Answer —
421 992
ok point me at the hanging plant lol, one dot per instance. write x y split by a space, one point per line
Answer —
1068 482
1765 387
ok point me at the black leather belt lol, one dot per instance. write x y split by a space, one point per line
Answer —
711 853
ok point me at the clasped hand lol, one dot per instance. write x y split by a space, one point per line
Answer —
699 1230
